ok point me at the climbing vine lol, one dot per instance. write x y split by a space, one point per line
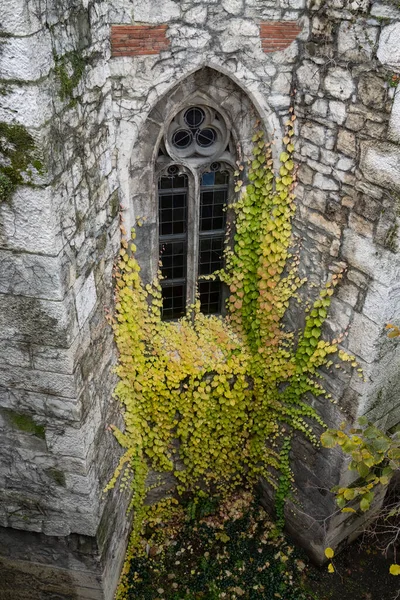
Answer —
213 399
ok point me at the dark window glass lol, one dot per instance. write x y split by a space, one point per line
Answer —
215 177
172 213
221 178
173 198
211 254
212 213
208 178
205 137
210 297
174 301
194 117
182 138
172 182
213 198
172 203
173 259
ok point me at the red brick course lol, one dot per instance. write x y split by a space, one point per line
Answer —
134 40
278 35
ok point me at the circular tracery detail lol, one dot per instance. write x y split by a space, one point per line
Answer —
205 137
197 132
182 138
194 117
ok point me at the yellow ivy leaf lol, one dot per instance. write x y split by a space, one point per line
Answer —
394 569
329 553
331 568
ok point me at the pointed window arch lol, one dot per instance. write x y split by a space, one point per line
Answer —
195 165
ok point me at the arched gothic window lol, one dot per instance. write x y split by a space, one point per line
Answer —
194 165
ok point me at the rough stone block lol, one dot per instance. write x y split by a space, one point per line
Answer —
76 443
308 77
30 105
315 199
321 222
356 41
361 253
372 90
360 225
31 275
155 11
313 132
233 7
387 11
85 298
394 123
389 49
18 19
382 303
14 354
49 322
363 338
380 163
345 164
26 58
309 150
339 83
325 183
339 316
43 382
28 223
337 111
306 174
355 122
348 293
60 360
346 142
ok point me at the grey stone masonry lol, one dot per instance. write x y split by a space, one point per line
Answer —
96 122
58 241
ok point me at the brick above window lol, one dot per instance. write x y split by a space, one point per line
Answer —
278 35
136 40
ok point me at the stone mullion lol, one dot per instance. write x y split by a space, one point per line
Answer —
193 238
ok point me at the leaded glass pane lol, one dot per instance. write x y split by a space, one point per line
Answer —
173 259
174 301
210 297
211 254
212 213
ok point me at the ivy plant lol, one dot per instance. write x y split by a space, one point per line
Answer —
214 400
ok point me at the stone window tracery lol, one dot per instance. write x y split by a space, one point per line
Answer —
195 163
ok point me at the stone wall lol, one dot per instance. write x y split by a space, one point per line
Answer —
90 114
58 240
348 207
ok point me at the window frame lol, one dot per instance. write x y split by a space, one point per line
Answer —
194 160
193 233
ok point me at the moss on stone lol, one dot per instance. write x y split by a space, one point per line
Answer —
101 242
57 476
69 70
18 153
114 204
25 423
391 238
